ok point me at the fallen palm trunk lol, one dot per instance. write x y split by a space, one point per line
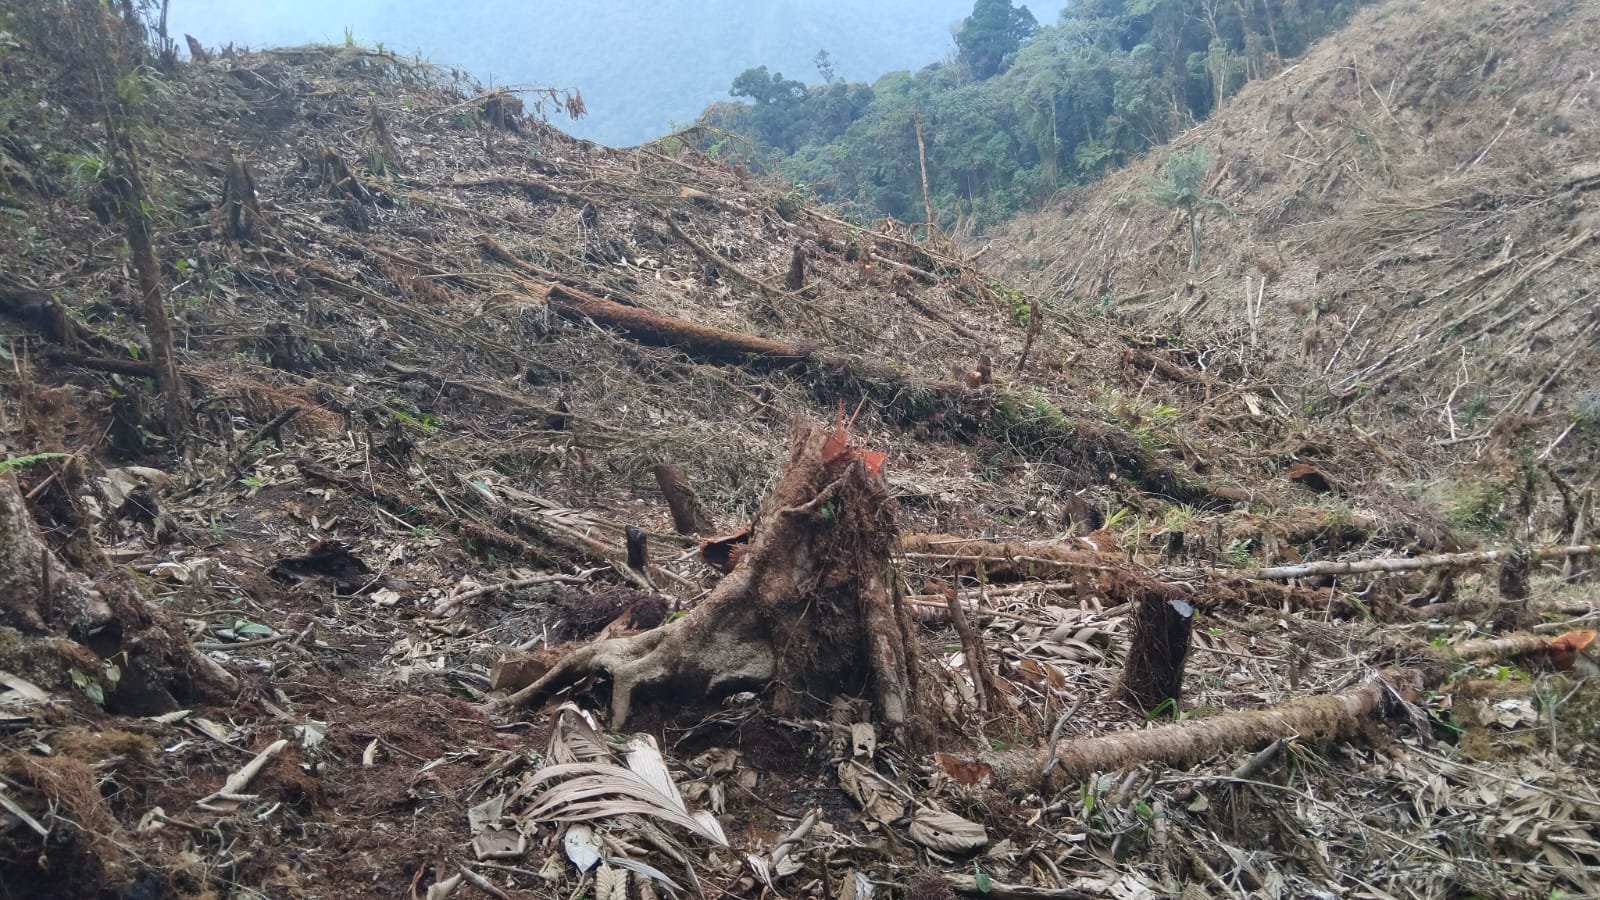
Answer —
1419 563
1325 717
698 341
1553 652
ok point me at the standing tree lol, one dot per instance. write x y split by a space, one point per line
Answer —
1182 188
111 47
994 32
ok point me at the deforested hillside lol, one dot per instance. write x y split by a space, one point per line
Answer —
399 497
1410 210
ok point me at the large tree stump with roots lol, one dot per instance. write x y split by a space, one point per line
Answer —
809 609
1157 649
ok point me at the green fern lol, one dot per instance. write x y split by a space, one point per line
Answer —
13 463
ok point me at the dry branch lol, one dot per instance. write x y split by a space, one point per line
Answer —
1420 563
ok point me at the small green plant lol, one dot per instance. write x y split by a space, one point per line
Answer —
1239 555
1164 708
1182 187
83 172
252 482
14 463
349 38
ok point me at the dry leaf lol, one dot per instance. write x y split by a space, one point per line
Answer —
946 831
610 884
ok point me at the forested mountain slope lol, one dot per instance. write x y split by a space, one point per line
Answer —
642 65
1410 210
1020 111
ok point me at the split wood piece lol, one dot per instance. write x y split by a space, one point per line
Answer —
809 607
231 794
1420 563
1326 717
689 515
1157 649
972 648
241 207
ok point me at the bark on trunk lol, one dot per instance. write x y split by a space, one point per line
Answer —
240 205
809 608
1153 673
1319 718
136 213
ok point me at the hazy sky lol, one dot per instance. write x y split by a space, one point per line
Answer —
642 65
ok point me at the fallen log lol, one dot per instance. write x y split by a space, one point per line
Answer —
1323 717
1420 563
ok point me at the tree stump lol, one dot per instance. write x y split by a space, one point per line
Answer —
1157 650
689 515
809 609
241 208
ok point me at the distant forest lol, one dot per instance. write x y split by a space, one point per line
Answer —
642 66
1021 110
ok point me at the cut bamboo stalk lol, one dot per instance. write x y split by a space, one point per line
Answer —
1419 563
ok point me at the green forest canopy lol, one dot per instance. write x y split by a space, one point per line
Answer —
641 64
1022 110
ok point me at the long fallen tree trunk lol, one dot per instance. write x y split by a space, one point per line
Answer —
1419 563
809 608
1322 717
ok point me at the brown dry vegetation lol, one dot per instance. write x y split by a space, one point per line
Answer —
1416 196
429 394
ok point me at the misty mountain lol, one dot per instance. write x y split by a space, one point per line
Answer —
642 66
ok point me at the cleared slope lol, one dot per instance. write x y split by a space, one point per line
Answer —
1418 195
